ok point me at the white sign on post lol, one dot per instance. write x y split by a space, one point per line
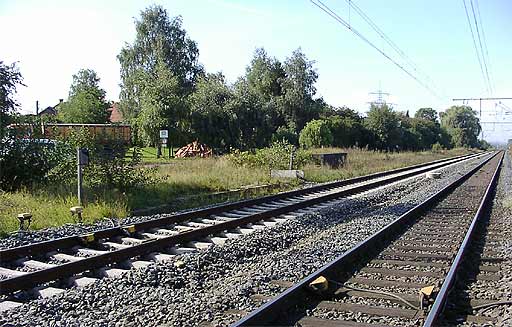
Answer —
164 134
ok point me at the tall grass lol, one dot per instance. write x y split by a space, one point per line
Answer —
362 162
49 209
195 176
180 178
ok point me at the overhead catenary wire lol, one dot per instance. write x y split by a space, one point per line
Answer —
485 45
392 44
484 58
476 48
340 20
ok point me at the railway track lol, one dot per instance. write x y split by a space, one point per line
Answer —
478 297
47 268
402 274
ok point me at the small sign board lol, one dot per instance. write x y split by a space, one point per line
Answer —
164 134
83 157
164 141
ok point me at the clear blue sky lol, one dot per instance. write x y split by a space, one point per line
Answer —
52 40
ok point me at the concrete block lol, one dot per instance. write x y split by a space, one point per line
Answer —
160 257
49 292
11 273
275 173
8 305
84 281
433 175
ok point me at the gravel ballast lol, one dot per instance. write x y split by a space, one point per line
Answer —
501 290
224 277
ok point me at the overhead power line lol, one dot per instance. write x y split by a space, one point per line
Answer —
479 48
485 45
392 44
484 57
340 20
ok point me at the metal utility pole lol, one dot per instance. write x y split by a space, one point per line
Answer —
82 159
79 174
480 105
380 101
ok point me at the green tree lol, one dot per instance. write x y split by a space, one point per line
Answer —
263 78
285 134
427 131
264 75
463 126
159 40
254 119
346 126
315 134
385 124
161 106
10 79
427 114
409 138
86 103
211 121
298 86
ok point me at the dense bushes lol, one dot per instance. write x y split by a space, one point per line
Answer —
25 162
109 167
315 134
33 161
277 156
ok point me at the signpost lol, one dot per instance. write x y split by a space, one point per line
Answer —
164 135
82 159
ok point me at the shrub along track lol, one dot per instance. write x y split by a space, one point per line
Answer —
379 280
46 268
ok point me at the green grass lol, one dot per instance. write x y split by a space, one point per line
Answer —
362 162
189 176
49 209
149 155
181 178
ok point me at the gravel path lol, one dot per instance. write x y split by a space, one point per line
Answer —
224 277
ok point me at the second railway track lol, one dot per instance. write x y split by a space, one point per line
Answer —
399 276
49 267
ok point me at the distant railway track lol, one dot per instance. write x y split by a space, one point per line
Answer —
390 273
47 268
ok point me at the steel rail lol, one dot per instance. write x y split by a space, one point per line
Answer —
442 296
338 268
39 248
32 279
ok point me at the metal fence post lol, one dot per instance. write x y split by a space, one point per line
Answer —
79 174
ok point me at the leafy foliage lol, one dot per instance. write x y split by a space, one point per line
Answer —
10 79
211 121
384 123
26 162
108 166
297 104
462 125
276 156
315 134
264 75
347 128
285 133
161 105
159 41
427 114
86 103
